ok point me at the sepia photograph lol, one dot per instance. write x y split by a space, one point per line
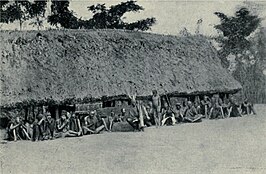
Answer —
133 87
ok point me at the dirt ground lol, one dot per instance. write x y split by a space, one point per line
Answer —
234 145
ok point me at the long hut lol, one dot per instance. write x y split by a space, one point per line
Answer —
92 65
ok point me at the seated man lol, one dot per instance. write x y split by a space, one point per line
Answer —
136 114
178 113
247 107
50 123
17 130
41 124
120 117
63 128
168 115
191 114
150 112
216 107
235 107
205 106
197 104
75 125
39 128
226 106
93 124
109 120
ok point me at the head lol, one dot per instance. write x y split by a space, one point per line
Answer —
48 116
92 113
205 97
123 110
189 104
68 114
63 117
17 119
178 106
148 107
154 92
74 115
184 103
112 114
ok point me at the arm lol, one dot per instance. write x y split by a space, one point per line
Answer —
12 126
63 125
40 122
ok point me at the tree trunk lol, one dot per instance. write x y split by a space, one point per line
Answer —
20 24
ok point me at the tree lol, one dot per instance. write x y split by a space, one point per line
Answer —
37 11
3 12
112 17
15 10
235 32
62 15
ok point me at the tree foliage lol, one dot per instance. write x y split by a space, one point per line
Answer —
102 18
37 11
112 17
3 11
21 10
235 32
16 10
62 15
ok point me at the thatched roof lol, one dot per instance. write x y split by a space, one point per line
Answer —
96 63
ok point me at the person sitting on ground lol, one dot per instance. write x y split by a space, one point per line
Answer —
216 107
168 117
28 126
35 130
205 106
89 124
63 128
146 116
74 124
184 107
178 114
109 120
136 114
227 108
247 107
50 123
156 107
120 117
17 130
235 107
93 124
191 114
197 104
42 126
150 113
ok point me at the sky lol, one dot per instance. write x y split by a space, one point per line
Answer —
173 15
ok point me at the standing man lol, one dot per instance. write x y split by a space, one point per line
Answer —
156 107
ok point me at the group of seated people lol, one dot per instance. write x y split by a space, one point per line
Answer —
158 112
70 124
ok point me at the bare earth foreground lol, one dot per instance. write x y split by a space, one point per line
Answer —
234 145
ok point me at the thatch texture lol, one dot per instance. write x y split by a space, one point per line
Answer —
66 64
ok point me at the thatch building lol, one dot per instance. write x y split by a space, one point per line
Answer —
57 65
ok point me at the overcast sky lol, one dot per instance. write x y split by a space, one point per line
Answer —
173 15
